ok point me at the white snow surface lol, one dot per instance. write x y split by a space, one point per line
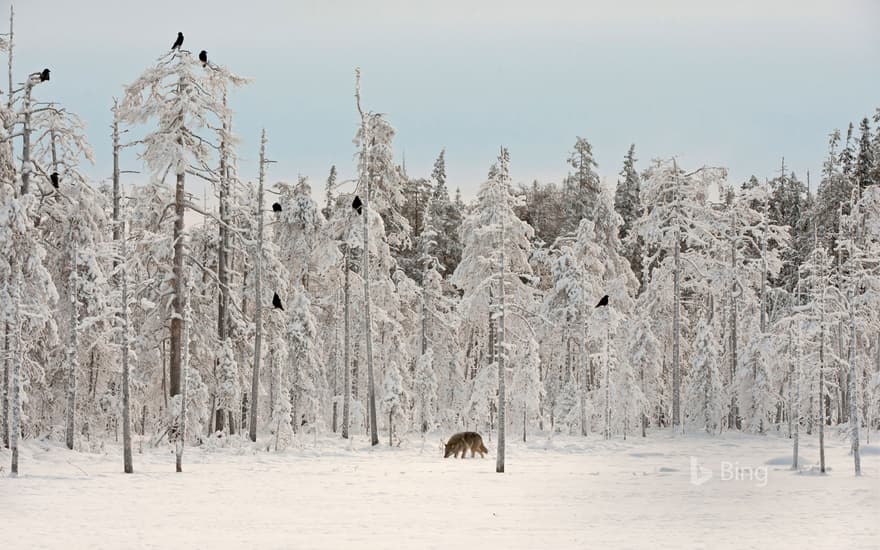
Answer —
568 492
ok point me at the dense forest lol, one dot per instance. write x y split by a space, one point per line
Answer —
387 306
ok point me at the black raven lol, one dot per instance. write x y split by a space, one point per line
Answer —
603 302
276 301
54 178
357 205
177 43
44 76
276 207
203 57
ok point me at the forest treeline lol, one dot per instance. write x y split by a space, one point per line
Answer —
388 305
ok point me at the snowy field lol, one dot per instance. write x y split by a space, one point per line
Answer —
568 493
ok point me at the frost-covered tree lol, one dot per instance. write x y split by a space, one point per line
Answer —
28 296
183 97
425 391
705 393
526 390
678 228
587 267
864 169
834 189
582 185
627 203
644 355
495 262
394 398
380 196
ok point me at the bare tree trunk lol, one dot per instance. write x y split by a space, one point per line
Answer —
822 387
854 417
177 299
126 395
164 375
16 372
258 301
335 419
4 396
72 365
26 139
796 414
607 383
583 369
368 319
424 316
181 441
346 376
223 257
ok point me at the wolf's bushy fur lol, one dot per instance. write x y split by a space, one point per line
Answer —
464 441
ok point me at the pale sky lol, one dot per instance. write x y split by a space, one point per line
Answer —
737 84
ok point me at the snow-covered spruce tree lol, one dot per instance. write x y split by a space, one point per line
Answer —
751 245
227 190
627 203
870 208
788 205
445 217
644 355
705 393
308 251
863 171
588 267
678 228
526 390
73 223
425 391
380 194
860 266
307 379
495 257
394 398
834 189
28 295
436 340
582 186
329 189
346 235
183 97
283 419
816 273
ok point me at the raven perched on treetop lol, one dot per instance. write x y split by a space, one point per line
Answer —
44 76
276 301
53 177
177 43
203 57
603 302
357 205
276 207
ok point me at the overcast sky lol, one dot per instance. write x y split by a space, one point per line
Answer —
737 84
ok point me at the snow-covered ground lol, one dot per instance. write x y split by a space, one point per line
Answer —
568 493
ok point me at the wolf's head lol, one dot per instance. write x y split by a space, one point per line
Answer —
450 450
